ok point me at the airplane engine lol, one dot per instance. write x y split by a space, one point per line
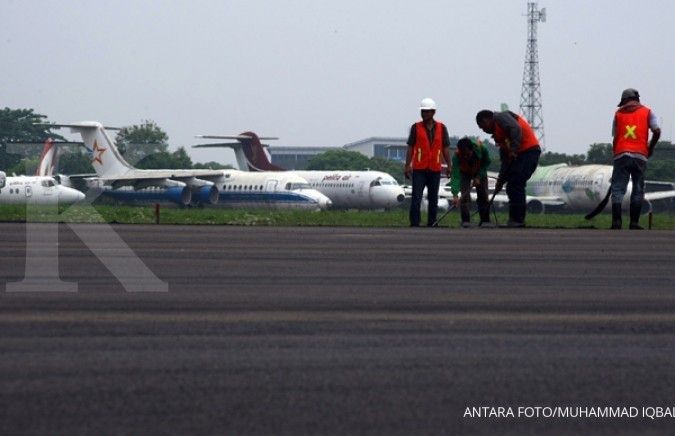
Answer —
207 195
179 195
535 206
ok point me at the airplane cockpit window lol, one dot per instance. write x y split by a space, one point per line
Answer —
297 185
300 186
375 182
47 183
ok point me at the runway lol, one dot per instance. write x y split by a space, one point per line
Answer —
318 330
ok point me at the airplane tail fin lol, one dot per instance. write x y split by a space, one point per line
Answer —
103 153
48 159
249 151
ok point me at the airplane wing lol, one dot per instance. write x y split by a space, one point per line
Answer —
659 195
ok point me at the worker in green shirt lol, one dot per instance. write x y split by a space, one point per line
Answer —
469 169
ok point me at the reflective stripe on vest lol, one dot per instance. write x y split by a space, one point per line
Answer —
632 131
427 155
528 139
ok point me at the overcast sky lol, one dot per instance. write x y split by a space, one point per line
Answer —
326 73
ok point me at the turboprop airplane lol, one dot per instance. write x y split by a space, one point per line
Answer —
40 189
118 179
346 189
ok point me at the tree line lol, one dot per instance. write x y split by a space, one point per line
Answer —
146 146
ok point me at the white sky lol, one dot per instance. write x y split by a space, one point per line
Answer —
326 73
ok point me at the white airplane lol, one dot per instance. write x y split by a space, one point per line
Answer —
581 187
41 189
346 189
230 188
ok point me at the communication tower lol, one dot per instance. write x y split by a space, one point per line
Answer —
530 96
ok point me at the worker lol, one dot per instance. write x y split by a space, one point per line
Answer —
428 147
469 168
519 152
630 130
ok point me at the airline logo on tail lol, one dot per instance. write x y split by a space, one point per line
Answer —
96 153
248 151
255 154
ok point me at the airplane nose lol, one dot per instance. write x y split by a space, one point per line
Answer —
68 196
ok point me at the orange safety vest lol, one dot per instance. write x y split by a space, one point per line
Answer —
632 130
427 156
528 139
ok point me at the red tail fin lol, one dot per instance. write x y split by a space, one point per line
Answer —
47 161
255 154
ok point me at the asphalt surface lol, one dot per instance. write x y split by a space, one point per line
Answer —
332 330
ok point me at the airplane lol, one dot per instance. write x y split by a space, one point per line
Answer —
346 189
580 188
40 189
117 179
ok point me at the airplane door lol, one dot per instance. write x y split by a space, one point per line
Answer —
29 191
271 185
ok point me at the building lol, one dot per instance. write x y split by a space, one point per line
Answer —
295 158
381 146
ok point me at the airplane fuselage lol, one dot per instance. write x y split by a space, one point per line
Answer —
278 190
236 189
36 190
579 187
355 189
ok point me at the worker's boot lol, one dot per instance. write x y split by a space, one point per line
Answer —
516 215
484 213
616 216
635 209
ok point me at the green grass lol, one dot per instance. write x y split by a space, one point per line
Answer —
257 217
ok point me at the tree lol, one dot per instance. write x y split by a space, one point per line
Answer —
339 160
600 153
391 167
19 125
550 158
211 165
179 159
140 141
74 160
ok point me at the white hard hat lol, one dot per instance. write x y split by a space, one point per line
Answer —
427 104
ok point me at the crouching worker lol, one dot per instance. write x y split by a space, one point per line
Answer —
469 169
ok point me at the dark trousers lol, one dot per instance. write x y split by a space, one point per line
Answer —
519 172
624 168
421 179
465 199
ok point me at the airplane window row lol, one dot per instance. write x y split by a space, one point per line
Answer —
333 185
243 188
